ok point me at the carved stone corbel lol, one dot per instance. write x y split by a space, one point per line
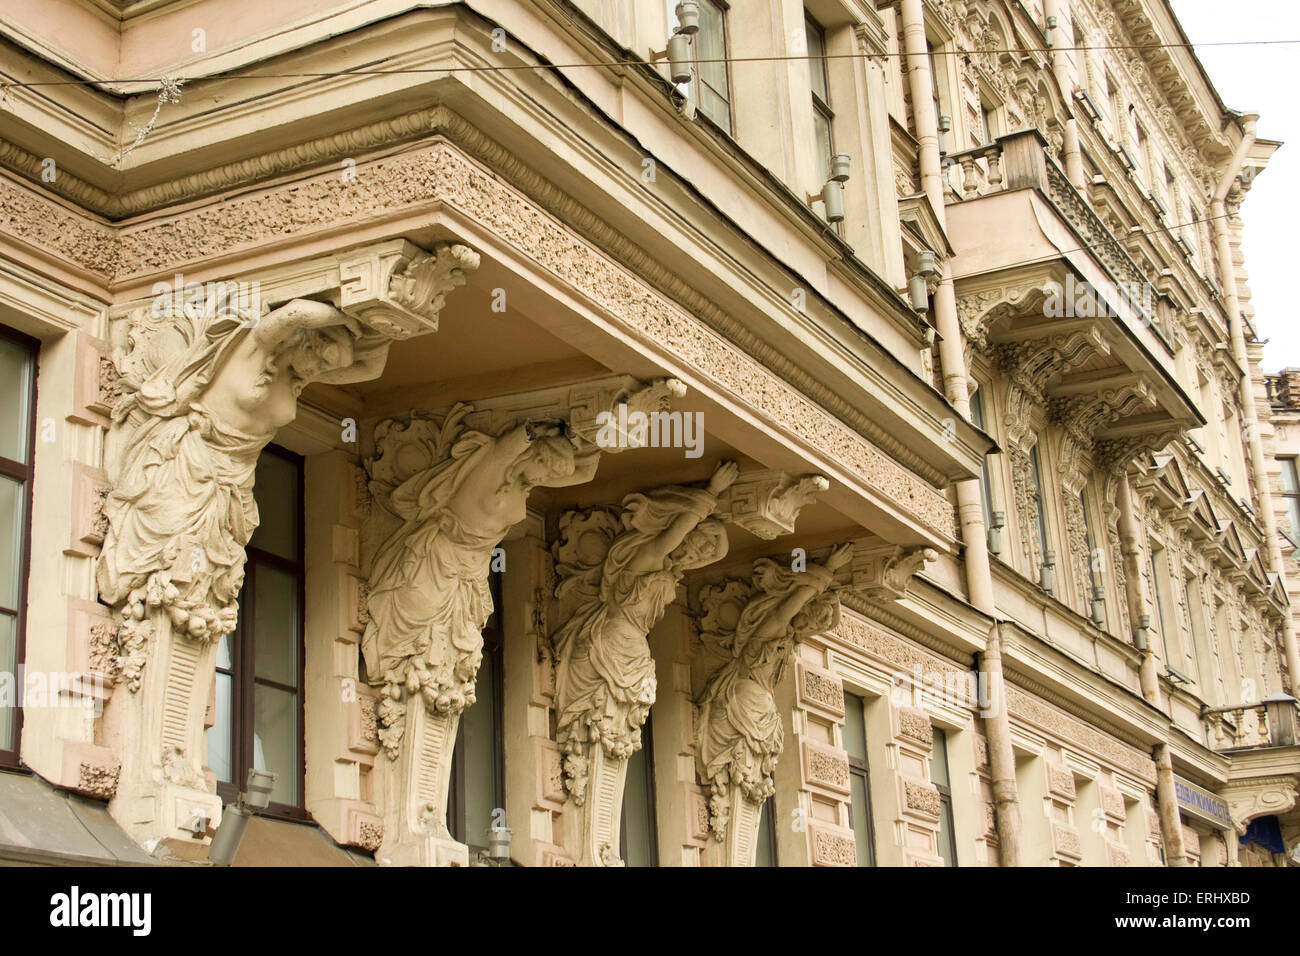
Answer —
601 407
398 289
618 570
749 631
766 503
1254 797
199 395
882 573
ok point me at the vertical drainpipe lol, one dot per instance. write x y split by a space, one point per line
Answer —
1062 69
1171 824
1139 602
1255 444
970 507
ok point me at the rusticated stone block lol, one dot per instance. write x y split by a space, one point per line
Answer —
832 845
820 690
915 724
1060 782
921 798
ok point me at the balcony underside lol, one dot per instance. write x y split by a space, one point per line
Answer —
1036 282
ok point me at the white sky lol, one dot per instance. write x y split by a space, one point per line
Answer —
1263 80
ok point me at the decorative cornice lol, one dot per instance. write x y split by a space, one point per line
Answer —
115 254
1098 736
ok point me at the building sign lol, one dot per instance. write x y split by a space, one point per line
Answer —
1201 804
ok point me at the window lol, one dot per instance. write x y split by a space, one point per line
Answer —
258 718
821 96
939 777
1094 576
1291 493
639 836
1116 107
1171 197
1143 152
990 116
709 86
1036 475
766 837
855 742
1200 652
17 448
1158 587
477 786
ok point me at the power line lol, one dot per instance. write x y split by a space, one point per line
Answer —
512 67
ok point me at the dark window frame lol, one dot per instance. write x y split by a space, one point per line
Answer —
986 480
1040 496
945 794
821 107
242 671
26 473
768 830
494 660
1291 468
697 78
647 747
858 767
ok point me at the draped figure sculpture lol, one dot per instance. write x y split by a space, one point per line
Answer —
457 492
429 597
200 397
204 384
619 570
754 628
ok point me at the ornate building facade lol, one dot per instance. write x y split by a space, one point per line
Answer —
499 425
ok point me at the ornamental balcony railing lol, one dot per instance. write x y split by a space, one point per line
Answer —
1272 722
1284 389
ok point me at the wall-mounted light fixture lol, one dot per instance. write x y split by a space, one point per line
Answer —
678 51
945 127
832 194
1047 573
1099 606
918 287
256 796
498 848
995 532
1142 637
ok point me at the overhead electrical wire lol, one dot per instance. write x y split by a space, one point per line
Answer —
511 67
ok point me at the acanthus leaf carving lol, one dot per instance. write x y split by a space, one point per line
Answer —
767 503
398 289
882 573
